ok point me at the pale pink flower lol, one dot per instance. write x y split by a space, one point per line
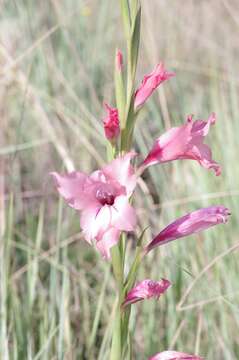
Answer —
111 123
119 60
103 199
191 223
184 142
150 83
146 289
174 355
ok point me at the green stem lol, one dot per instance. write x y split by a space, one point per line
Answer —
129 283
118 270
117 266
133 270
116 347
131 14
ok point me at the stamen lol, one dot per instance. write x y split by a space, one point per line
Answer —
105 197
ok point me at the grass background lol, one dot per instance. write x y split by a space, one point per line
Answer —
56 293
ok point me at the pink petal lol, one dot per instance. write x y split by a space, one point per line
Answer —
202 153
146 289
123 214
95 220
98 176
169 146
121 171
184 142
105 242
103 184
71 187
191 223
201 127
111 123
150 83
174 355
103 198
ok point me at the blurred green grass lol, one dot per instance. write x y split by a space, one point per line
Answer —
56 293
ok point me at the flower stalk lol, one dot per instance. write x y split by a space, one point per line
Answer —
116 347
131 14
118 270
103 198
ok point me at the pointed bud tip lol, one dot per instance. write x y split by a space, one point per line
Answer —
119 60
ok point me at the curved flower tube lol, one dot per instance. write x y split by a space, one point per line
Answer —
191 223
103 199
150 83
174 355
146 289
184 142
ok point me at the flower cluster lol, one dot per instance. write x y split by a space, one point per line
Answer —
104 197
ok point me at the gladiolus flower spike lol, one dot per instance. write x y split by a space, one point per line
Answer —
103 198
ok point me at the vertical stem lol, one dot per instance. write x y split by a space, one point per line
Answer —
118 266
118 269
116 347
131 14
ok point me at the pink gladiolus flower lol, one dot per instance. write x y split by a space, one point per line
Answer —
150 83
102 199
119 60
146 289
184 142
191 223
174 355
111 123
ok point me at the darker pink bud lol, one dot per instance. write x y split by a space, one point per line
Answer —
150 83
184 142
146 289
174 355
111 123
191 223
119 60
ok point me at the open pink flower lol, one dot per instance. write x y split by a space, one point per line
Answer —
174 355
184 142
103 199
146 289
191 223
111 123
150 83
